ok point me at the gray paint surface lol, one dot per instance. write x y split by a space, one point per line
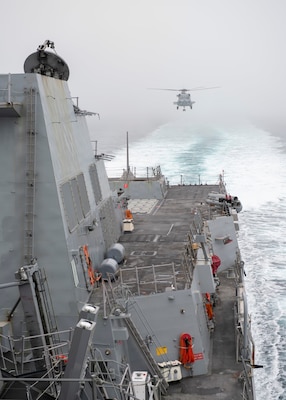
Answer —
62 152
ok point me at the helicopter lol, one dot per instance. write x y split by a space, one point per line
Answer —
184 98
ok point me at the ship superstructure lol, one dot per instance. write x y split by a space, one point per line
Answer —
58 214
110 288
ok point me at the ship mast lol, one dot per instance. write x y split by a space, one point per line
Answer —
127 155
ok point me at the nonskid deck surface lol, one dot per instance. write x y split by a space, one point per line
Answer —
159 237
222 381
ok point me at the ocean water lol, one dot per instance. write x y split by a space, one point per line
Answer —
254 166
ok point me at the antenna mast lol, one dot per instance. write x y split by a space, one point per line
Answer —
127 155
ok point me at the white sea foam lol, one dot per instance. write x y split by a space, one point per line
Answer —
254 164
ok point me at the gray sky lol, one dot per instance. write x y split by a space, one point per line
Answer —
117 49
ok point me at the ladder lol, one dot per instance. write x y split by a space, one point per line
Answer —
155 369
45 302
110 301
30 177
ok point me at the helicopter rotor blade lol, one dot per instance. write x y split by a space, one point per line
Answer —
202 88
187 90
173 90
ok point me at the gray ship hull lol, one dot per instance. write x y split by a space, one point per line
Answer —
109 287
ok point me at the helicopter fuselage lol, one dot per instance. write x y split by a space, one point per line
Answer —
184 100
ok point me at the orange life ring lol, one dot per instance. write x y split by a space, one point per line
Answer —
89 264
186 355
209 311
